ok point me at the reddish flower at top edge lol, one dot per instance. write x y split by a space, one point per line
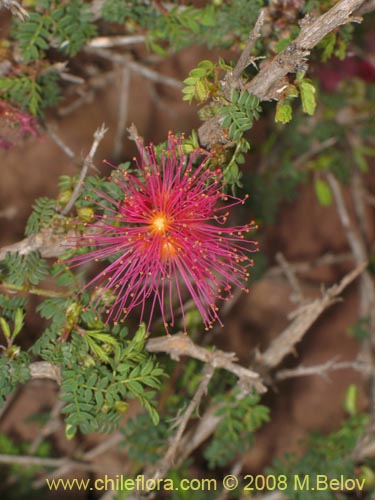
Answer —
167 237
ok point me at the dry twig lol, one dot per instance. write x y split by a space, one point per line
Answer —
244 59
87 163
305 316
169 458
322 369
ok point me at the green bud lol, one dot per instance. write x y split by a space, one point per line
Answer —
88 361
86 214
64 197
121 406
105 408
369 475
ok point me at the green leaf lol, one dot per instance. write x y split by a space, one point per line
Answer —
323 192
5 327
18 322
284 112
350 403
307 91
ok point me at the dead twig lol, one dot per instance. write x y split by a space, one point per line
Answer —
169 458
322 369
64 467
244 59
305 316
87 163
297 295
182 345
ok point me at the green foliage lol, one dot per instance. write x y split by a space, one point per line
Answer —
13 371
64 26
10 303
240 114
183 26
145 442
33 93
326 454
307 92
96 390
323 192
235 433
361 329
232 174
284 112
24 270
335 43
44 210
197 85
138 11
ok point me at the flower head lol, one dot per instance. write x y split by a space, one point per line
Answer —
167 237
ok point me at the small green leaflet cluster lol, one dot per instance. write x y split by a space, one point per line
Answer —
235 433
240 114
44 211
64 26
23 270
96 393
14 370
144 442
32 93
329 455
216 25
335 43
199 85
306 90
101 368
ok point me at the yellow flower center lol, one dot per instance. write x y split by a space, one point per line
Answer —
159 223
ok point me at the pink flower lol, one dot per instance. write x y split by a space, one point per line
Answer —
167 237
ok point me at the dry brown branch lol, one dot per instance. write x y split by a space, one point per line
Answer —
87 163
244 59
68 465
49 428
354 239
322 369
293 56
169 458
182 345
297 295
48 242
48 462
57 139
303 267
357 246
305 316
137 67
